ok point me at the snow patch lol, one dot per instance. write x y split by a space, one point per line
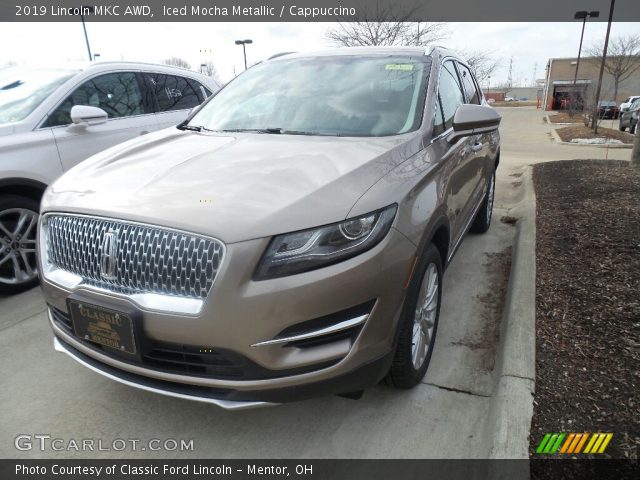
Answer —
596 141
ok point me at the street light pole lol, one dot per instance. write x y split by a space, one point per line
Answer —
84 28
594 120
244 50
580 15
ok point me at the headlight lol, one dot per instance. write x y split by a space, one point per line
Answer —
306 250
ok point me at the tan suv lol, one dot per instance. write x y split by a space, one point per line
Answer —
285 241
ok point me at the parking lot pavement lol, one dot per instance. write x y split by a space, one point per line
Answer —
526 139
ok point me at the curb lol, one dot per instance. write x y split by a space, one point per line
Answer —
549 122
559 141
509 418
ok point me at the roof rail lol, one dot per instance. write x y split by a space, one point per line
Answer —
279 55
431 49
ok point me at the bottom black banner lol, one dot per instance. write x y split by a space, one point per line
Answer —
317 469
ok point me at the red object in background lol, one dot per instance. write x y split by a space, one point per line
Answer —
497 96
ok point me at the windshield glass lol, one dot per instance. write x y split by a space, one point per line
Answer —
337 95
22 90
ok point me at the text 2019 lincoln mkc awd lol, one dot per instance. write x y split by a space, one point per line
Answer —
287 240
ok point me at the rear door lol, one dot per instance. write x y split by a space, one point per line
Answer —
117 93
174 95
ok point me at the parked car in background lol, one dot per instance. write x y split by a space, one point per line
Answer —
629 117
627 103
608 109
509 99
341 184
52 119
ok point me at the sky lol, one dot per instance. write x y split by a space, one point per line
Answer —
530 45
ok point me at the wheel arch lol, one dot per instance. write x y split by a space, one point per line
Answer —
25 187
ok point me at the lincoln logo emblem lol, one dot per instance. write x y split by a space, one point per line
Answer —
109 256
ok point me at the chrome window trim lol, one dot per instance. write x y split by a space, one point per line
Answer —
149 301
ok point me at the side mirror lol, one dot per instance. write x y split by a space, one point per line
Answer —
473 120
86 116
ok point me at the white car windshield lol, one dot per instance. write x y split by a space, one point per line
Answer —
22 90
334 95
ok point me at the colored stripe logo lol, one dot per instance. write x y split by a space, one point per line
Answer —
574 443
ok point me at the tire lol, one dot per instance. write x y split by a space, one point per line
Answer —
408 368
18 226
482 222
622 129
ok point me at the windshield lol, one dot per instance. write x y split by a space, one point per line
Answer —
607 104
22 90
338 95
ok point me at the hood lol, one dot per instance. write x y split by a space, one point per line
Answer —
233 187
7 129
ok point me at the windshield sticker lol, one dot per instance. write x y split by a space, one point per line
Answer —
399 66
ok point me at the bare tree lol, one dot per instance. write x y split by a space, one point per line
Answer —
481 62
177 62
623 58
209 69
386 25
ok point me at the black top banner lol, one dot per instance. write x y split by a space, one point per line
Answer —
312 10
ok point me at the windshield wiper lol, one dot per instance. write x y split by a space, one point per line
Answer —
276 131
252 130
192 128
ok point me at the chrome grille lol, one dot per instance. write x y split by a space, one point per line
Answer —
147 259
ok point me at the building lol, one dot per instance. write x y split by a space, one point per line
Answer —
559 83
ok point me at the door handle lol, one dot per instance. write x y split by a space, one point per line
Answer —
144 132
477 147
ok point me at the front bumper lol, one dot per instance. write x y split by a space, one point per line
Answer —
248 318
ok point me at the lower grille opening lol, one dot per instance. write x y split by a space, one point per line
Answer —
187 359
62 319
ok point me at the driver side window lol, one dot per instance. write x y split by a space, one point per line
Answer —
450 97
118 94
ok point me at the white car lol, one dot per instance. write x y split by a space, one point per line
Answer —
627 103
52 119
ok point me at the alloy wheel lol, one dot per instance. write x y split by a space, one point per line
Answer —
425 316
18 246
490 193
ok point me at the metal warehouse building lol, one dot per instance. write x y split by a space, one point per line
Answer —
559 82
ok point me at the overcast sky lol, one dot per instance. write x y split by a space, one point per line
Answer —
530 44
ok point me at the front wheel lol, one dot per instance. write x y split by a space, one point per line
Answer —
482 222
18 228
418 323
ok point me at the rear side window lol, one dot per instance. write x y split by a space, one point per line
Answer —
118 94
469 85
450 97
173 92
